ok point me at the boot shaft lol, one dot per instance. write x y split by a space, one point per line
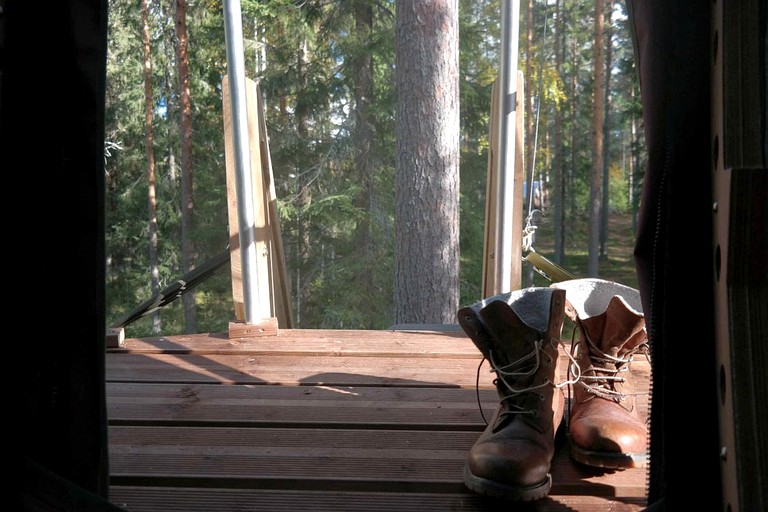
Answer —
612 332
512 329
519 334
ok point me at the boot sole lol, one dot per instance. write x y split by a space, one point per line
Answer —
608 460
508 492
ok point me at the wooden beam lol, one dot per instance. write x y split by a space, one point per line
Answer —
271 274
489 287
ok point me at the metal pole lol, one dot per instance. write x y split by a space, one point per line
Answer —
233 32
510 29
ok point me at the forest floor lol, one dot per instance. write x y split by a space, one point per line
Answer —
619 266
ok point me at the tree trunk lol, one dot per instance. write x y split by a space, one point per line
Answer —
304 195
597 144
558 166
149 140
636 167
363 138
605 207
574 134
187 196
427 161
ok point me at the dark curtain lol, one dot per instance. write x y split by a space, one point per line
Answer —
52 92
674 251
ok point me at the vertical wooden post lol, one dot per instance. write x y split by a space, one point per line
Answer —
270 273
489 241
489 285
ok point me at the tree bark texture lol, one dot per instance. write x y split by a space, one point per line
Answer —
187 195
607 121
304 197
595 197
558 165
427 161
363 138
149 140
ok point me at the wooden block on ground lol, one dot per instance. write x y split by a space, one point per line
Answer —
262 327
115 337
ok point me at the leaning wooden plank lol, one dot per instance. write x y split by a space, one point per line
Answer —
281 287
261 273
491 204
490 286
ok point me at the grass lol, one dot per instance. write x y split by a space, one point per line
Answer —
619 266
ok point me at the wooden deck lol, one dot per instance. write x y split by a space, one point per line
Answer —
317 420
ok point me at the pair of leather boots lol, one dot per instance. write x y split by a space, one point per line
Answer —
519 334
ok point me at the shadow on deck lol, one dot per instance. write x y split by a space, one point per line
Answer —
317 420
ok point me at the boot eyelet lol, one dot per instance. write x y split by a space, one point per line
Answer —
541 397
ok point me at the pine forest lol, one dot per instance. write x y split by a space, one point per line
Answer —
339 83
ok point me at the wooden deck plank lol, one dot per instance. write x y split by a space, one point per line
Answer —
294 369
335 458
168 499
314 342
436 371
381 407
325 420
374 407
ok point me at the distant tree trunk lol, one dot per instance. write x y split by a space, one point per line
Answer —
187 196
574 134
635 171
597 144
605 206
304 197
427 161
149 140
558 166
363 138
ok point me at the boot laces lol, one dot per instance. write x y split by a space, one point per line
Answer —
606 371
518 369
510 375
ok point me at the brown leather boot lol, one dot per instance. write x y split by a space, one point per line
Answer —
519 334
605 428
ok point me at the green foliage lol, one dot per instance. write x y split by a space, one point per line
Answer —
301 55
472 228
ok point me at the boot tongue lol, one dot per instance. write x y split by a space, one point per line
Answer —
514 341
493 323
618 330
590 297
505 327
610 313
518 327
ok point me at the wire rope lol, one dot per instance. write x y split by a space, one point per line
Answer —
539 94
